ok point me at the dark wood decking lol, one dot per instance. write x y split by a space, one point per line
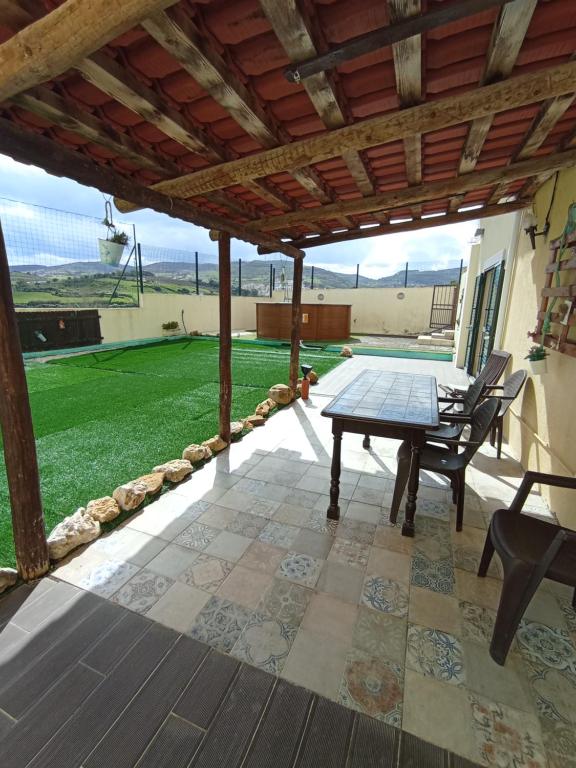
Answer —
84 682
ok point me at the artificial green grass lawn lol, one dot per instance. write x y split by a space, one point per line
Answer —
104 418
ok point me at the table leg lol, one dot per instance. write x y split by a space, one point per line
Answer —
410 509
366 442
333 512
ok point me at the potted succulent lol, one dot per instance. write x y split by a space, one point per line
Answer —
112 247
536 356
172 328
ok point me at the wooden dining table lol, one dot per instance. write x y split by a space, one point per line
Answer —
402 406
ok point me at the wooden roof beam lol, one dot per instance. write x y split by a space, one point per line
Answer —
408 70
550 112
59 40
380 38
429 191
507 38
296 38
30 148
454 110
408 226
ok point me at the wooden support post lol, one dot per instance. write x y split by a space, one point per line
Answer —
18 437
225 304
296 323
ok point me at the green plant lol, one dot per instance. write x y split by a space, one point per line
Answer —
536 352
172 325
118 237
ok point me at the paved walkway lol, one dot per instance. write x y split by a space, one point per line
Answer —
241 557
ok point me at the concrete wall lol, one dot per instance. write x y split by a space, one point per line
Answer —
379 310
541 422
200 314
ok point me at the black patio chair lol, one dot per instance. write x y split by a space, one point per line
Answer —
452 423
531 549
446 461
507 392
490 374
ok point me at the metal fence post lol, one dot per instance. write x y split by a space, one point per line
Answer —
139 272
312 279
197 278
271 280
406 276
239 277
357 274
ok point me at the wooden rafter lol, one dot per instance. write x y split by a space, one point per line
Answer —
507 38
60 39
408 70
297 40
490 99
433 190
28 148
393 33
550 112
408 226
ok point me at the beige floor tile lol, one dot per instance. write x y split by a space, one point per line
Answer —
312 543
245 586
389 564
481 591
438 713
317 662
505 685
363 513
330 616
179 606
434 610
173 560
129 544
390 537
229 546
218 517
545 609
342 581
262 557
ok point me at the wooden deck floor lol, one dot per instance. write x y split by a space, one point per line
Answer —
85 682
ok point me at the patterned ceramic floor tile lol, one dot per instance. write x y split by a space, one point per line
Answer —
435 654
197 536
432 508
262 557
554 693
505 737
559 742
247 525
206 573
373 686
552 647
142 591
569 613
432 539
437 575
380 635
301 569
477 622
349 552
106 578
286 602
317 521
220 623
385 595
280 534
265 642
354 530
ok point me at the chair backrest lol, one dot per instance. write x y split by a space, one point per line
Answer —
511 388
494 367
480 424
472 396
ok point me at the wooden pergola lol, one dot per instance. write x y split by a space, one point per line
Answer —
285 123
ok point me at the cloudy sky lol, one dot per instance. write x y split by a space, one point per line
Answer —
432 248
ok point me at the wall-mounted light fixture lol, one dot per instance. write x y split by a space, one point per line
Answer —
531 229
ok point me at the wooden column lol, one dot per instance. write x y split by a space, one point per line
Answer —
18 437
296 323
225 304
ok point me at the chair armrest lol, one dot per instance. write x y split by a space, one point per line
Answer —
449 399
459 443
493 386
562 537
455 417
544 478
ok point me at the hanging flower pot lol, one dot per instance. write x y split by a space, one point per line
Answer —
537 359
110 252
538 366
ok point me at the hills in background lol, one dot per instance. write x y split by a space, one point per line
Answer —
255 272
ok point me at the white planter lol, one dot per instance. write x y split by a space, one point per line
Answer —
110 253
538 366
171 332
